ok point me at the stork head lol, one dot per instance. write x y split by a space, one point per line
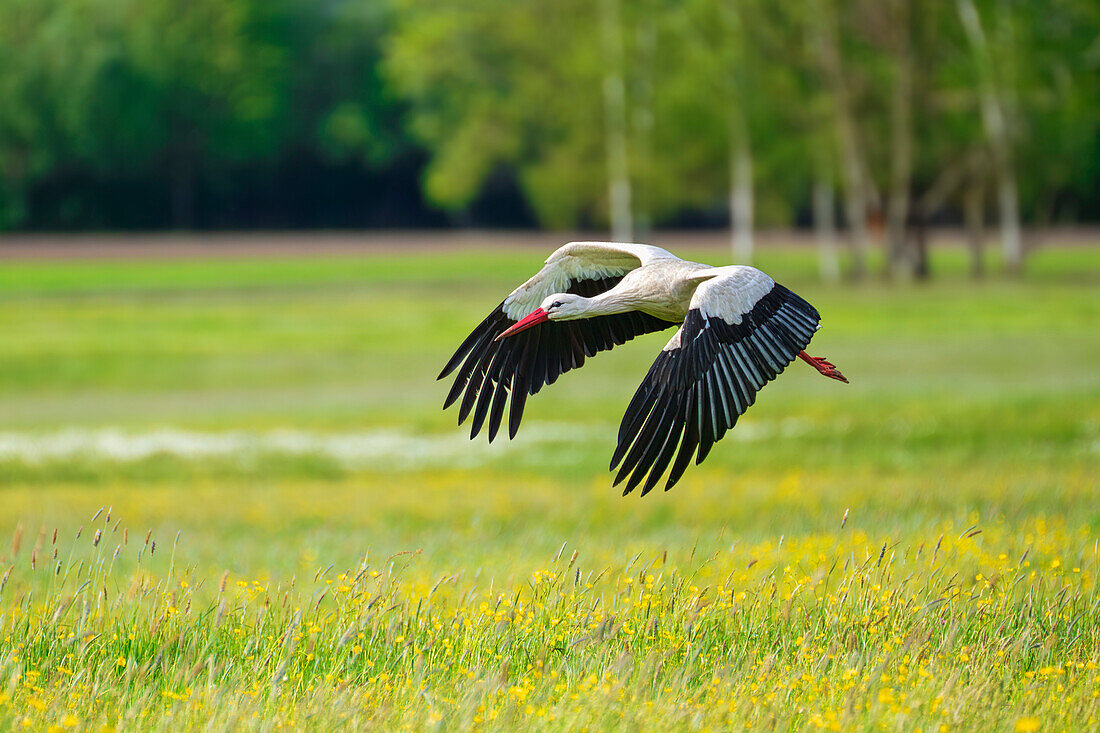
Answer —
556 307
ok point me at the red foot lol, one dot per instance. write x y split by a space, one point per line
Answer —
823 365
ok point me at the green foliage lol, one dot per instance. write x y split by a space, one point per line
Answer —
717 73
514 83
183 96
186 90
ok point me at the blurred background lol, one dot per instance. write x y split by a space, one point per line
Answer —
240 237
884 118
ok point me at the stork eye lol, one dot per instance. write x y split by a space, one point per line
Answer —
556 304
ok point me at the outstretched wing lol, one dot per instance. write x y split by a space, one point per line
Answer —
489 370
742 329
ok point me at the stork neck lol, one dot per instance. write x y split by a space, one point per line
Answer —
610 303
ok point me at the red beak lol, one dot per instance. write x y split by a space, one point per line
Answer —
533 319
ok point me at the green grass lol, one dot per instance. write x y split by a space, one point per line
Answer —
823 569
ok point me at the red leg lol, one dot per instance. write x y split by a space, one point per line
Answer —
822 364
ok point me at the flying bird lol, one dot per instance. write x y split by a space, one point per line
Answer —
738 329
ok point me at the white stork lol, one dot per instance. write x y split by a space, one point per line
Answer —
738 330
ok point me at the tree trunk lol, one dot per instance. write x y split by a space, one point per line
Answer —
996 130
921 267
974 217
899 262
1011 241
614 98
643 118
856 195
825 231
741 201
856 209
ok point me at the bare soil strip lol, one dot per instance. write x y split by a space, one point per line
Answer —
125 246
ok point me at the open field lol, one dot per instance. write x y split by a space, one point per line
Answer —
917 550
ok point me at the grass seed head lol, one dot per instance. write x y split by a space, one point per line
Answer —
17 539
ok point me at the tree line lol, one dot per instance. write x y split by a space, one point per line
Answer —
869 118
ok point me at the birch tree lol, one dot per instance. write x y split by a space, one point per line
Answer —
857 189
721 68
899 261
615 123
997 132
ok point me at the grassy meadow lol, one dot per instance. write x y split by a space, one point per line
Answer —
229 499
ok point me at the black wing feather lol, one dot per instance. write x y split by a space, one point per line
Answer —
690 440
491 375
696 392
